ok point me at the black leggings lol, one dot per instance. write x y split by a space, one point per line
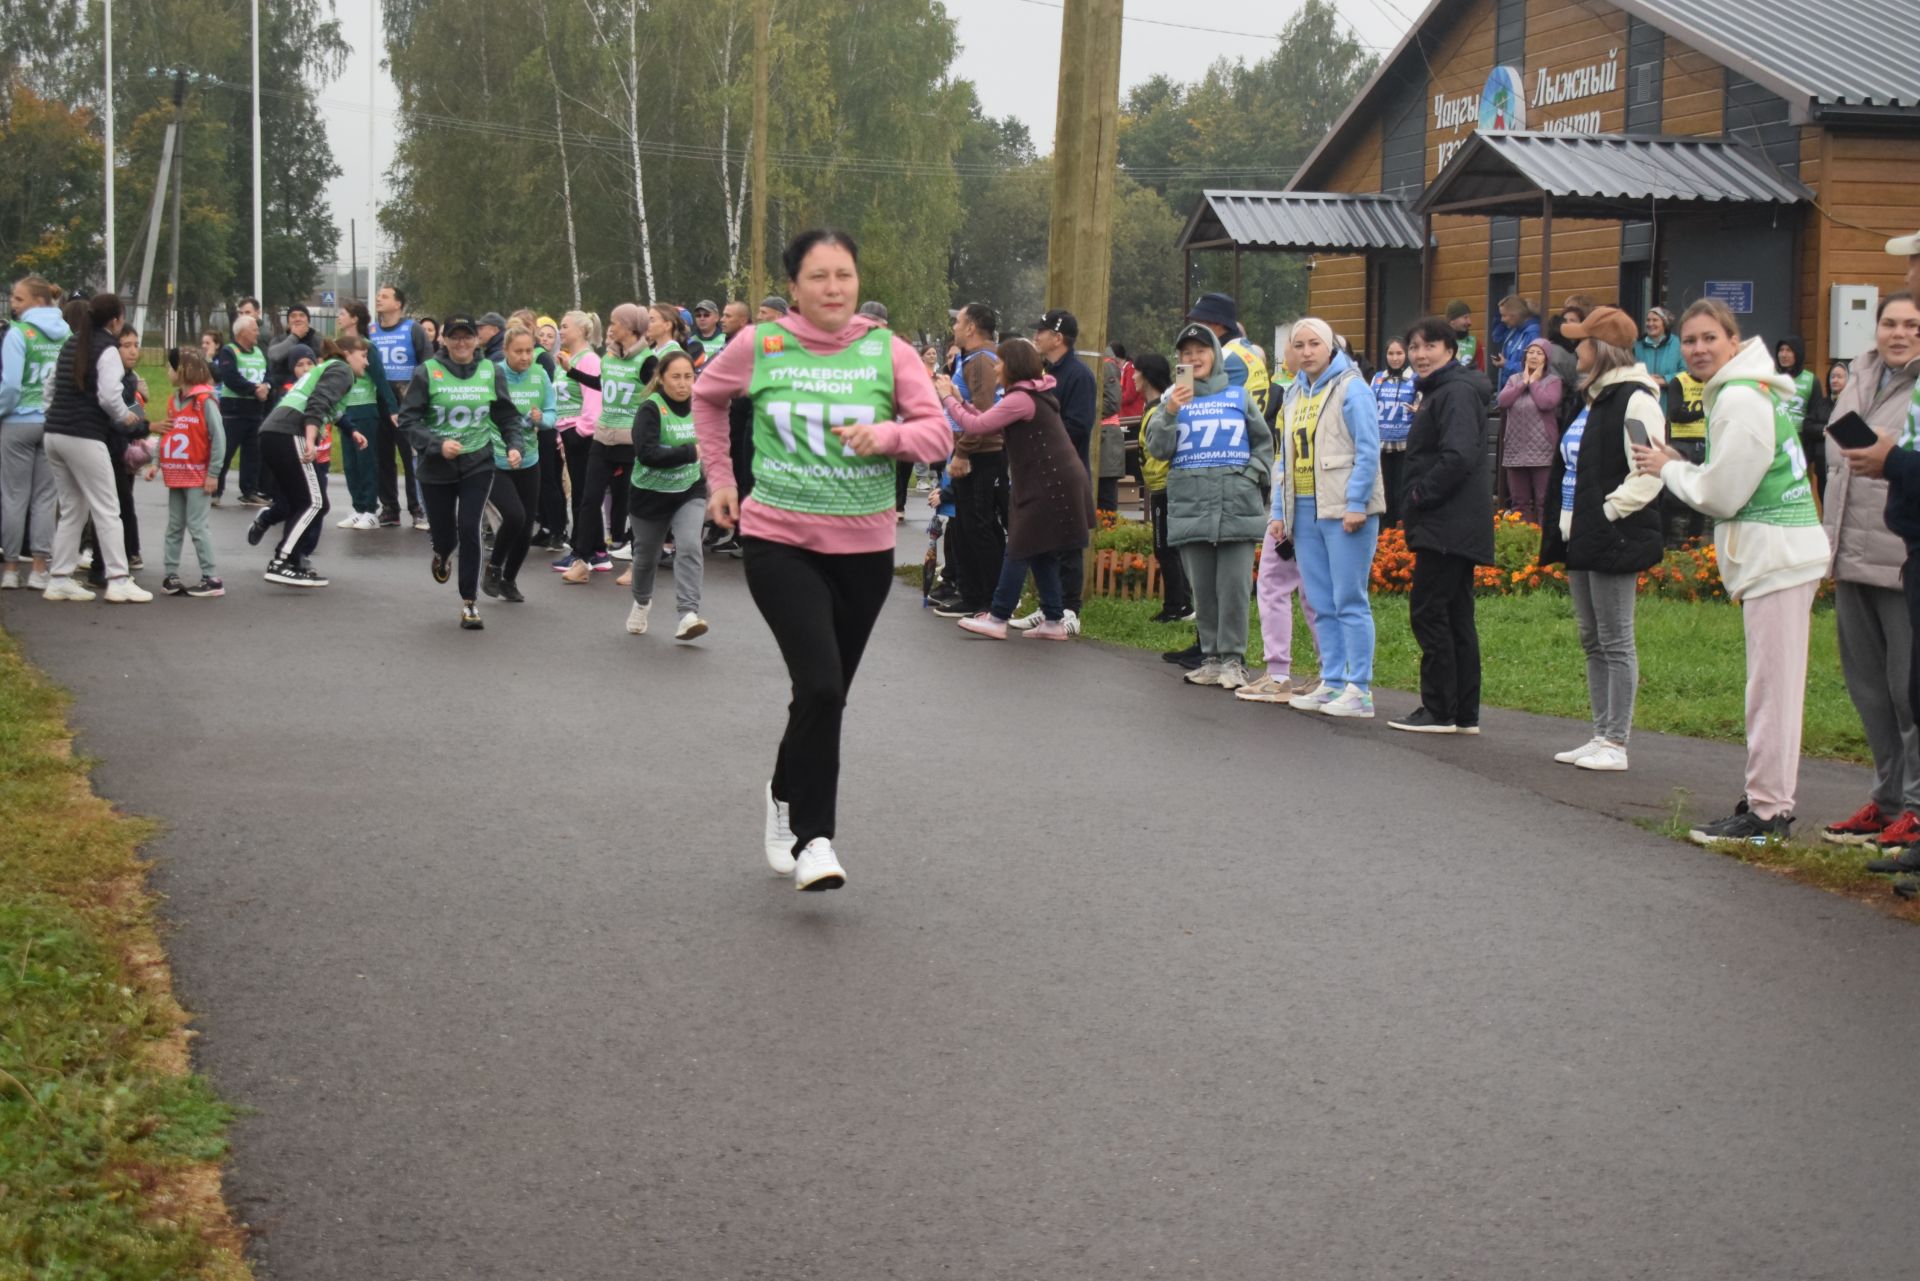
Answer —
453 514
298 500
821 610
516 494
553 500
608 468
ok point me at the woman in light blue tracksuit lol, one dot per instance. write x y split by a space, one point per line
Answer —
1328 499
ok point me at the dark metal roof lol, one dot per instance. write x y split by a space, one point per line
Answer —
1838 52
1605 175
1299 221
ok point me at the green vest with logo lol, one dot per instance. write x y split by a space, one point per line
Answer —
1469 347
1910 434
566 394
799 465
251 364
1785 495
43 353
1796 404
461 408
675 430
302 391
620 388
361 394
527 395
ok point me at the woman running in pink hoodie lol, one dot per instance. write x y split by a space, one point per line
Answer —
837 399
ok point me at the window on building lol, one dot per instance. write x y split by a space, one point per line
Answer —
1646 69
1759 119
1510 33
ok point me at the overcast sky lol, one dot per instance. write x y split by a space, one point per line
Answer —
1015 75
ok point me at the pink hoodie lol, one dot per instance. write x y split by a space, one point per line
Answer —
589 416
920 434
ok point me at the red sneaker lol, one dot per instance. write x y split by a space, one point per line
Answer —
1901 834
1861 829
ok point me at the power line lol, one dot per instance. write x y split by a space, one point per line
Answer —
1212 31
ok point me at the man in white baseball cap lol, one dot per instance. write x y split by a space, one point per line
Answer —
1908 247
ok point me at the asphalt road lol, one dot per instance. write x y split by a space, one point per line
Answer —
1130 980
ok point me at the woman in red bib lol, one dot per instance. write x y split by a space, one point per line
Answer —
837 398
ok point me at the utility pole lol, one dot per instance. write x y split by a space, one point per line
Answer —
373 184
259 250
168 144
172 326
113 280
1086 157
757 242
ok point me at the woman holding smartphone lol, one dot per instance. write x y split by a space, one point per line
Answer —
1604 523
1876 638
1772 551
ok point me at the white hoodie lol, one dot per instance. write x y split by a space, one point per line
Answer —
1755 559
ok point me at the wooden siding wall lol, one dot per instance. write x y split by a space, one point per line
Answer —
1865 180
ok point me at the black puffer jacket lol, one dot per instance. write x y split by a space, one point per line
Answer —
1629 545
1449 490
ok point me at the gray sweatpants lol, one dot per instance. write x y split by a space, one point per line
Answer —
83 479
187 514
1222 576
26 491
1603 610
649 536
1876 645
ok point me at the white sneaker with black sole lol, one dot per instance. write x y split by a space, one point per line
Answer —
818 867
779 839
1026 622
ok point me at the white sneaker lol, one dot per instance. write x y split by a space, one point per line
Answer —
1353 702
1587 748
1610 757
1029 621
1072 620
86 558
37 580
623 552
124 591
423 524
1313 698
692 626
350 521
369 520
10 581
637 619
66 589
779 836
818 868
1233 675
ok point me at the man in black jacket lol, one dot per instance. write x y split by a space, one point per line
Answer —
1449 504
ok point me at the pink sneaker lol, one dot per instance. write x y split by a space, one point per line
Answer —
1054 629
985 625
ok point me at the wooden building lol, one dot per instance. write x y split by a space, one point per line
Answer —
1794 155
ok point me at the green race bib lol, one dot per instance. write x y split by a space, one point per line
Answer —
527 395
461 408
799 465
302 391
620 389
362 393
43 353
251 364
675 431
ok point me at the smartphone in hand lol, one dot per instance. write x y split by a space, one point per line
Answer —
1851 431
1637 433
1183 376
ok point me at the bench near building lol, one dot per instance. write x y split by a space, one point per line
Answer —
1757 151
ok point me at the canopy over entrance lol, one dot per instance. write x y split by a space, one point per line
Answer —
1599 176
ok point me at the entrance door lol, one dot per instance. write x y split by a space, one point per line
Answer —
1400 302
1744 258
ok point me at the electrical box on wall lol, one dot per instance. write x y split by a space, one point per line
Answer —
1850 327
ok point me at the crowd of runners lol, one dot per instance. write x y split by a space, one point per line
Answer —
789 438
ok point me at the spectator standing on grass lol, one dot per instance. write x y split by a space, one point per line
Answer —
1222 455
1876 639
1607 528
1329 500
1531 403
1807 405
1393 398
1772 551
1449 528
